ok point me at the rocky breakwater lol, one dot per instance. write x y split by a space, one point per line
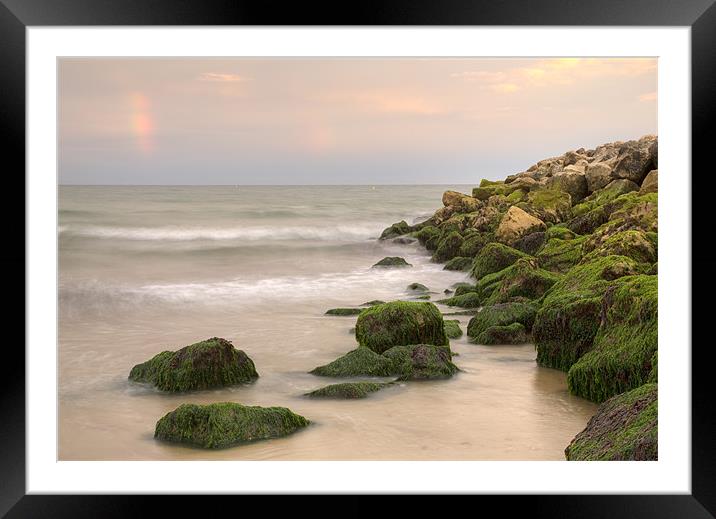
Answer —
564 255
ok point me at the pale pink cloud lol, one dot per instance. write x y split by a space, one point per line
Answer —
221 78
648 97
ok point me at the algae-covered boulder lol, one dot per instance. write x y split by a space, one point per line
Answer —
624 428
459 263
549 205
344 311
493 258
448 246
523 280
466 300
348 390
530 243
472 244
569 181
417 287
503 314
625 344
398 323
207 364
422 361
373 302
560 255
428 237
452 329
357 363
395 230
632 243
517 223
514 333
392 261
221 425
461 202
569 318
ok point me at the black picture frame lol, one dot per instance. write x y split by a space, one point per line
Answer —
16 15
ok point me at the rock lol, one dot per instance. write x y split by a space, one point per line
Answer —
221 425
560 255
448 247
395 230
503 314
654 152
650 183
381 327
621 358
530 243
404 241
422 361
634 161
361 362
524 280
549 205
428 237
212 363
344 311
572 180
598 175
568 320
493 258
511 334
459 263
589 222
624 428
373 302
348 390
633 244
417 287
392 261
515 224
472 245
460 202
452 328
467 300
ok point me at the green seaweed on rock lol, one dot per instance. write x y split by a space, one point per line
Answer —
357 363
348 390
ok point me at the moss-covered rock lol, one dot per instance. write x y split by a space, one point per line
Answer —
448 247
357 363
348 390
514 333
422 361
417 287
632 243
559 255
392 261
621 358
459 263
493 258
428 237
452 329
221 425
549 205
588 222
204 365
466 300
463 288
395 230
568 320
373 302
472 244
344 311
501 315
624 428
398 323
523 280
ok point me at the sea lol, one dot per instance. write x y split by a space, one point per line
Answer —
143 269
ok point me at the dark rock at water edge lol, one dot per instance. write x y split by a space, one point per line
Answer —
392 261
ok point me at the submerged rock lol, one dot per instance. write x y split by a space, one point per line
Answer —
452 329
204 365
395 230
514 333
373 302
344 311
624 428
348 390
220 425
392 261
422 361
381 327
359 362
417 287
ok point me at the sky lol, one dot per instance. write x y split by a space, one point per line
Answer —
340 120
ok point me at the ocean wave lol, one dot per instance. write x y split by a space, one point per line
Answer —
277 233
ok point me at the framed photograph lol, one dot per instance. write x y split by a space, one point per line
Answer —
415 252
